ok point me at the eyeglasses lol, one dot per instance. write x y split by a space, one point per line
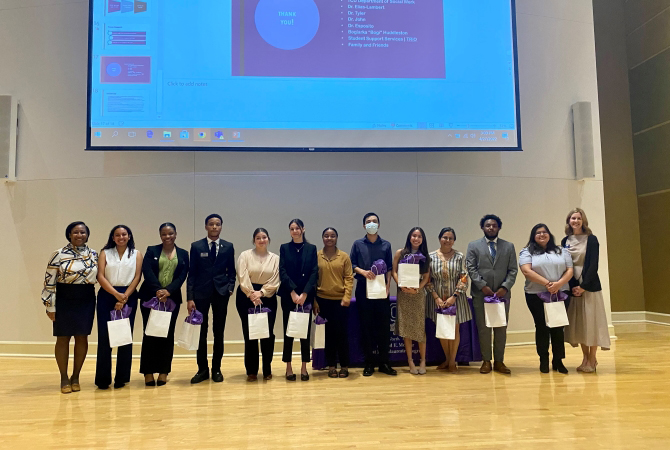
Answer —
541 233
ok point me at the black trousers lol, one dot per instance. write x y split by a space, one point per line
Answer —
543 334
375 317
243 304
124 355
157 352
287 306
337 331
219 305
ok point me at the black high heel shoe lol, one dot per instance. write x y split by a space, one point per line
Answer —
544 366
559 367
150 383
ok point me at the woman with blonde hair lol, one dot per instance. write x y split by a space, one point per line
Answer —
586 313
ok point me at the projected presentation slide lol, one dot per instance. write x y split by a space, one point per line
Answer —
303 75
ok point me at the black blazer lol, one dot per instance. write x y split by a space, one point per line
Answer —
590 278
150 272
302 280
205 276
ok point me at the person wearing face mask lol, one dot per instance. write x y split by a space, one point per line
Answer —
119 273
211 281
165 268
298 271
586 313
491 264
547 268
69 297
375 314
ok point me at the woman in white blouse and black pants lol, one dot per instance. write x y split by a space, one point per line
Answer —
258 275
547 268
119 273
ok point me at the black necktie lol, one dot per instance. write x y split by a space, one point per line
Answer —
212 252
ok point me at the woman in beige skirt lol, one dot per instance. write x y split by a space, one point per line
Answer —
410 320
586 313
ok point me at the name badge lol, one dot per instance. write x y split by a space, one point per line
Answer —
204 255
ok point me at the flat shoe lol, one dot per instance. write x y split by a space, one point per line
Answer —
291 377
267 377
414 371
67 389
344 373
251 378
75 387
332 373
422 370
150 383
304 377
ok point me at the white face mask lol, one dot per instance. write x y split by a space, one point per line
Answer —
371 227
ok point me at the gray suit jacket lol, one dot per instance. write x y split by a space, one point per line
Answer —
484 271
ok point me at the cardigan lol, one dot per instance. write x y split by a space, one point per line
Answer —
590 278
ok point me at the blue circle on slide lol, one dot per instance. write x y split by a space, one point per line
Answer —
114 69
287 24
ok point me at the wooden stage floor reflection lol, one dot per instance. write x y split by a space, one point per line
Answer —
625 405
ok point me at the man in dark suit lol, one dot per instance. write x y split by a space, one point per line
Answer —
211 281
491 264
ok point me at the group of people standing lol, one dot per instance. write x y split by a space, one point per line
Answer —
321 281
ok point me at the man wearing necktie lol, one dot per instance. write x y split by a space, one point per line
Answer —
491 264
211 280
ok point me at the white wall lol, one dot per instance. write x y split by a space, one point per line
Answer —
43 61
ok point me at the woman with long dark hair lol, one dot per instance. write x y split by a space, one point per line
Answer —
119 273
547 269
298 271
258 275
410 321
586 313
165 268
69 297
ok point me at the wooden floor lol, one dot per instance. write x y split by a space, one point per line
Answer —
625 405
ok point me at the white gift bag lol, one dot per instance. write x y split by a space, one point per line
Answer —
409 276
376 288
298 323
189 336
318 335
119 332
259 327
158 324
555 314
445 327
495 315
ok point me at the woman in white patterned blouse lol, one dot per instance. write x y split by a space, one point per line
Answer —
69 296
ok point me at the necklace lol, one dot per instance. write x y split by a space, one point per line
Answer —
298 249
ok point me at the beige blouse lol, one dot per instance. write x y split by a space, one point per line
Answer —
253 269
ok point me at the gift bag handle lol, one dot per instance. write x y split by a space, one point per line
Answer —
115 311
299 306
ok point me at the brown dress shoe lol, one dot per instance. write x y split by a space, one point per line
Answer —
486 367
500 367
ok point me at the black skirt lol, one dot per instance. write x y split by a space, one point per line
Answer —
75 309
